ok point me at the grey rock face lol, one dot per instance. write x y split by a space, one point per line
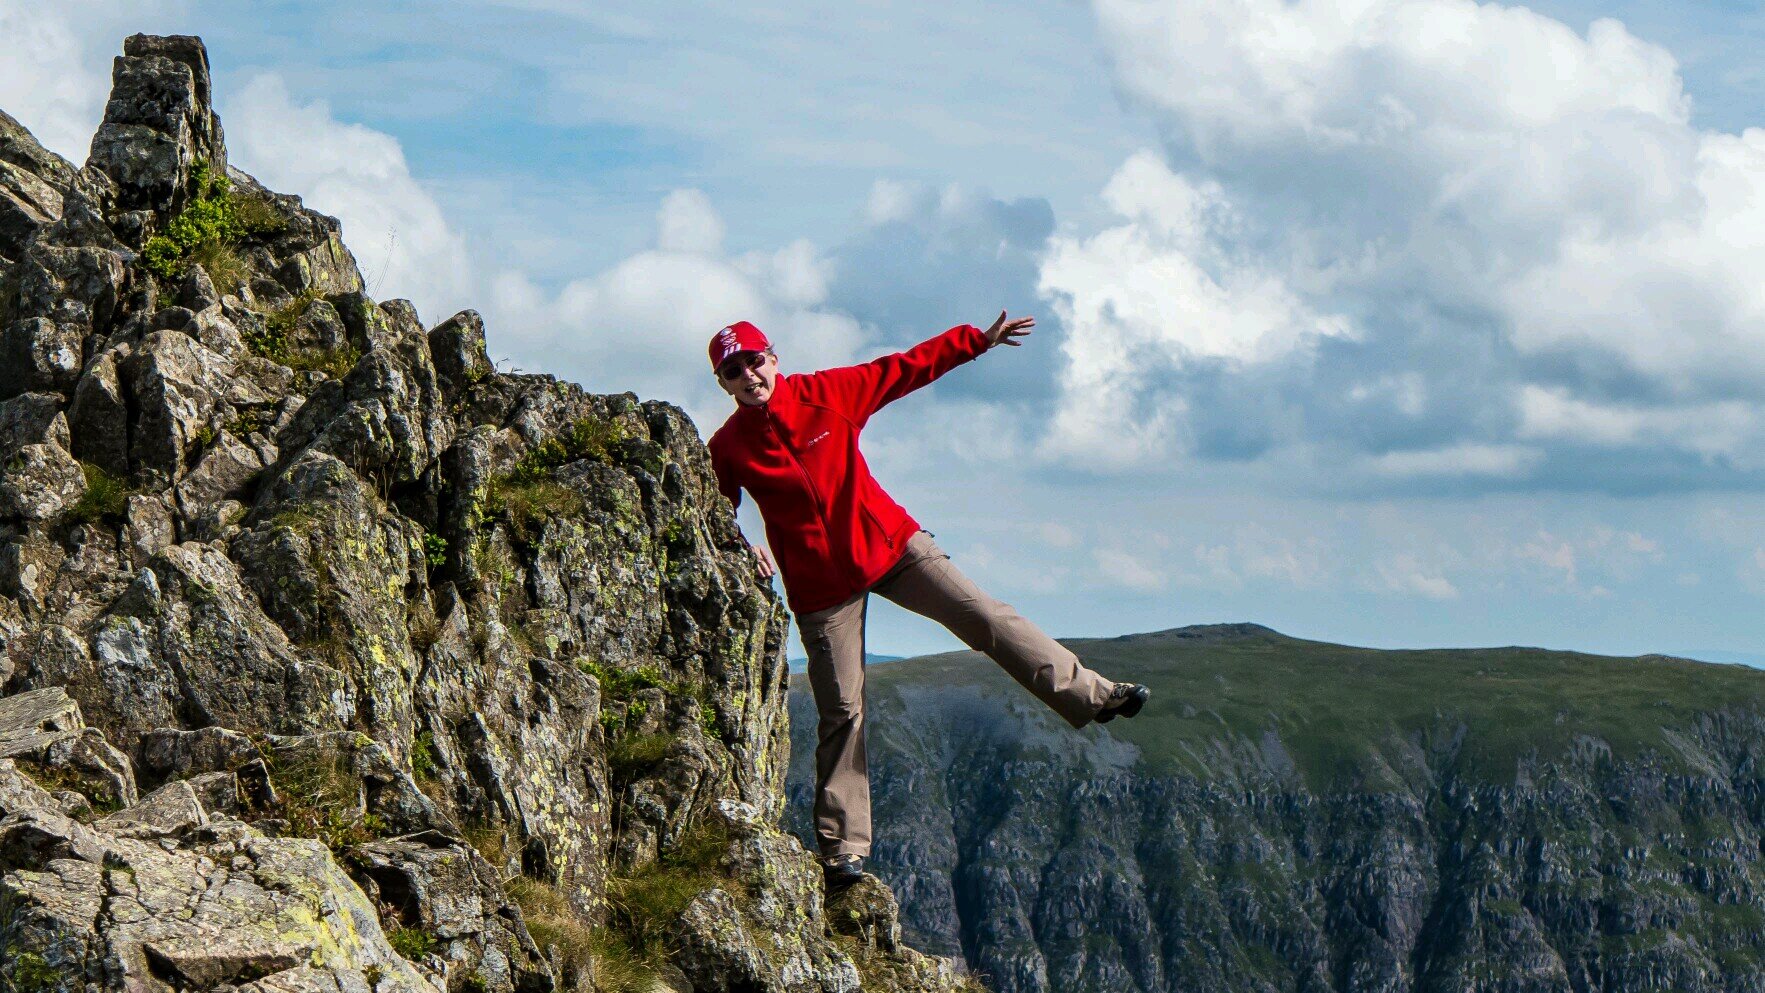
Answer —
67 286
433 677
38 482
33 184
158 124
441 886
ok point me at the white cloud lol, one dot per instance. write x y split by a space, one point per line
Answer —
926 432
1124 569
1586 561
1406 160
1553 553
1056 535
1728 427
45 81
404 245
890 200
795 274
1675 290
643 324
687 223
1141 299
1255 552
1406 392
1457 460
1633 542
1750 570
1402 573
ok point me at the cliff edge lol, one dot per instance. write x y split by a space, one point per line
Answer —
337 660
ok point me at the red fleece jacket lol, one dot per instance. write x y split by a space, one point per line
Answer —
832 529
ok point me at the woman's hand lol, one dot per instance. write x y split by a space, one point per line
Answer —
767 569
1006 332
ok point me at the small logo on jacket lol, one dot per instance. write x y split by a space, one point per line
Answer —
815 439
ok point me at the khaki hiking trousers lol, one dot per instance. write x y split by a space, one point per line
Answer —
925 582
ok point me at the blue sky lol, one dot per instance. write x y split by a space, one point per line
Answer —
1393 322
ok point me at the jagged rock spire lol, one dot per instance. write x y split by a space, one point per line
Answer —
159 123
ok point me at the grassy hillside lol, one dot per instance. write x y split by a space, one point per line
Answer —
1374 716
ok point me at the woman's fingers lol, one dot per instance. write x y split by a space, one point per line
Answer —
765 559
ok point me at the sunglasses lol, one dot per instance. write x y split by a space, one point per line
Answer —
740 364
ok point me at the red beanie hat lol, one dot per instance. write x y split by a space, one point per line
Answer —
738 337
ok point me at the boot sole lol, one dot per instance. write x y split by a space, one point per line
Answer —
1129 708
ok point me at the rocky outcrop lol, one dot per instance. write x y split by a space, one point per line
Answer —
170 892
1298 817
332 658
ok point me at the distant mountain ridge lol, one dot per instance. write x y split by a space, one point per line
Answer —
1290 815
802 665
1725 657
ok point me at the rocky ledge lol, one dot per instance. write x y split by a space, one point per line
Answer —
401 672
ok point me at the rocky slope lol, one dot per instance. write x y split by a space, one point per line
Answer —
335 659
1302 817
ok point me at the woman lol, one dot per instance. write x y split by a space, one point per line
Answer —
792 443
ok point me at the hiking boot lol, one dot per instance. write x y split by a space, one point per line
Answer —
841 871
1124 701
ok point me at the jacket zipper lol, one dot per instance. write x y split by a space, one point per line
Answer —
808 482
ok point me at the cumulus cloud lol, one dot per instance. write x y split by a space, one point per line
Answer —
1585 561
1122 568
1729 429
403 243
687 223
643 324
1253 552
1402 573
1142 299
1456 460
1460 238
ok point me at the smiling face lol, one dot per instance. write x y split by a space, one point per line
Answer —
749 377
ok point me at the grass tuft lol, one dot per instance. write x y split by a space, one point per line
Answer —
411 943
106 498
424 761
528 494
434 549
527 505
320 798
28 972
646 905
622 684
274 341
638 753
208 231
